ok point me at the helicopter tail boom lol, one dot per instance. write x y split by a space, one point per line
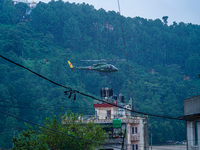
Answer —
70 64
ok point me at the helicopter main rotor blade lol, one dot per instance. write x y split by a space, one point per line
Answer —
90 60
116 60
106 60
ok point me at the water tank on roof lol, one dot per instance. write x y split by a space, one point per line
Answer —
106 92
110 92
103 92
114 97
121 98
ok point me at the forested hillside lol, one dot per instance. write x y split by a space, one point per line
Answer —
164 64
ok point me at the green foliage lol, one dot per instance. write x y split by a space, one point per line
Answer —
89 131
192 65
72 134
29 140
163 61
7 12
10 14
21 9
165 19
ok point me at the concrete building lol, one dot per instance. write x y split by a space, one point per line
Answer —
123 130
131 132
192 115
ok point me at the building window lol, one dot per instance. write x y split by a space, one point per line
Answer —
195 133
96 114
135 147
134 130
109 113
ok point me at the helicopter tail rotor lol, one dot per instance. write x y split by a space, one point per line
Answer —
70 64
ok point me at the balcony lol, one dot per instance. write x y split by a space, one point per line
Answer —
124 119
135 137
131 120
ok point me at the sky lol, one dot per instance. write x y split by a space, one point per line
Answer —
186 11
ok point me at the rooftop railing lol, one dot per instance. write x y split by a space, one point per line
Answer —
125 119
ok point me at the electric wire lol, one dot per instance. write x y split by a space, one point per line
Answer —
70 92
42 109
46 107
125 144
142 113
55 111
50 129
39 105
10 130
75 91
35 73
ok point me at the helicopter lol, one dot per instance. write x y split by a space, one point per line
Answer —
100 67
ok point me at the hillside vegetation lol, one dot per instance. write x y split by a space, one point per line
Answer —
164 64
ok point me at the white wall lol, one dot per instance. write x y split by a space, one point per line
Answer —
191 137
102 112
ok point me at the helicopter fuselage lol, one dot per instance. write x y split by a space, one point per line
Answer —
101 67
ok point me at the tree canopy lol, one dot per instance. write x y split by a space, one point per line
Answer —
72 133
163 60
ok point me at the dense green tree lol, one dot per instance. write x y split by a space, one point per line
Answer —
163 62
72 134
165 19
192 65
21 12
7 12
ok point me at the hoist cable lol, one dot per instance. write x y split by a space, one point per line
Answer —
125 49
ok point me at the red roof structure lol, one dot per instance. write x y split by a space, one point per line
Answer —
103 105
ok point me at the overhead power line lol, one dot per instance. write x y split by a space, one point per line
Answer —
70 92
142 113
38 105
58 109
11 130
35 73
50 129
47 127
43 106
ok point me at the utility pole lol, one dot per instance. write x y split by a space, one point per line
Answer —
14 137
151 139
123 140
